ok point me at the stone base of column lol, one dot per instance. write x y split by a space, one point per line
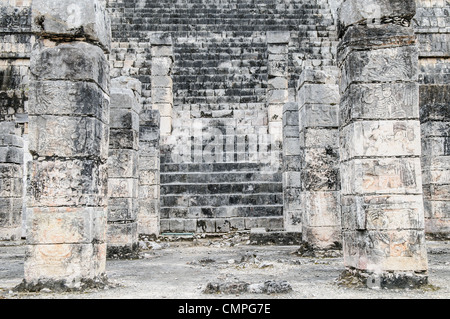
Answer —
122 241
308 250
61 285
355 278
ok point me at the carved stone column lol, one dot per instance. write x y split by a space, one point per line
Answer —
382 202
68 131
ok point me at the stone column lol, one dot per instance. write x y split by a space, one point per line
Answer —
292 213
149 173
162 88
123 177
277 88
11 181
382 203
318 102
15 43
68 132
433 31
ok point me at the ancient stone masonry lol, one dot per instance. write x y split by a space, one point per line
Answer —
381 196
292 160
123 169
15 46
69 134
318 102
162 87
149 173
432 26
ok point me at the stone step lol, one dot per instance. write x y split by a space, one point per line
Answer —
220 200
222 188
222 212
219 177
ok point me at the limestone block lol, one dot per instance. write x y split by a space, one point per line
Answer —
161 38
148 177
148 207
435 129
123 187
278 37
76 61
319 137
68 98
10 213
66 262
315 76
321 209
382 65
388 212
11 140
123 139
318 115
76 182
72 19
321 238
438 209
162 95
66 225
390 250
122 163
358 11
382 176
122 234
11 187
277 83
380 101
278 68
436 146
166 125
11 154
122 209
124 119
162 81
291 146
318 94
275 112
380 138
124 99
162 51
161 66
66 136
434 102
127 83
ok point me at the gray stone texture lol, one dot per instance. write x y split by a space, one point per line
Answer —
381 195
68 133
318 98
123 168
433 31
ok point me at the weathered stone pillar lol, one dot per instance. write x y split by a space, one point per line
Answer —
433 31
318 102
162 87
11 181
149 173
68 129
277 88
292 213
123 200
15 43
383 221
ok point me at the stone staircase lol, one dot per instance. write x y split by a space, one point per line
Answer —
220 82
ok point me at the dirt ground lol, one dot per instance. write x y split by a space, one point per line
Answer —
176 268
